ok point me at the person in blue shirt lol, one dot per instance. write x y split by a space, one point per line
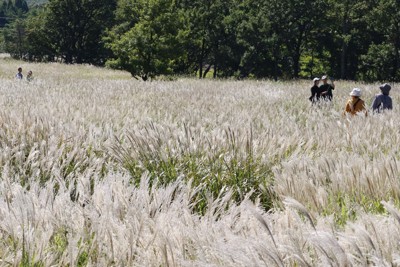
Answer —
19 75
382 101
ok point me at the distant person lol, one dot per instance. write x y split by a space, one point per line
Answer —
19 75
29 76
382 101
315 91
326 88
355 104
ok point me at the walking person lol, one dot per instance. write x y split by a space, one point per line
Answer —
382 101
355 104
315 91
326 88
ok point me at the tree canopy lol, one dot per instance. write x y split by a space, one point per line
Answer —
279 39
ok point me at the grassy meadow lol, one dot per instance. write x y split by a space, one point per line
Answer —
98 169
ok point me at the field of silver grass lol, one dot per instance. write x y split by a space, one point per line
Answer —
101 170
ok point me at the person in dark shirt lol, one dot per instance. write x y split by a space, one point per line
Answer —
383 101
326 88
315 91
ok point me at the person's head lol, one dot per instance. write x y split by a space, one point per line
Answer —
19 69
30 73
324 79
355 93
385 88
316 81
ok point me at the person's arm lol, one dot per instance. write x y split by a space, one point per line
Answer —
347 108
376 103
313 94
363 107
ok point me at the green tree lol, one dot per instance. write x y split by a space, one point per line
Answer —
14 28
211 42
15 38
75 29
350 39
349 35
21 6
10 11
149 38
382 60
39 43
253 43
377 63
294 23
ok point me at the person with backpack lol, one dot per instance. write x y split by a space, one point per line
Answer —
355 104
382 101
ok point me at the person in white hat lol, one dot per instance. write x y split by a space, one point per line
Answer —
382 101
326 88
355 104
315 91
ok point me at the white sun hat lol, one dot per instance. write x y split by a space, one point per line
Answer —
356 92
315 79
324 77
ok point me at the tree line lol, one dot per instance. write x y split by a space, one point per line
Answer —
277 39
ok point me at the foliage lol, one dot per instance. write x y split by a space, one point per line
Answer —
382 61
67 30
11 10
153 44
12 15
237 38
251 26
75 27
377 63
15 38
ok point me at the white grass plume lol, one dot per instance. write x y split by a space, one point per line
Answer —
67 194
292 203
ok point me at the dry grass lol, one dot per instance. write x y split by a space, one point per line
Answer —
101 170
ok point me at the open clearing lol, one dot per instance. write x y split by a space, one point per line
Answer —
98 169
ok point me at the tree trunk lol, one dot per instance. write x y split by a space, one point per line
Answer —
343 61
296 65
201 59
297 52
276 61
68 57
206 71
19 44
200 69
343 56
396 58
312 63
